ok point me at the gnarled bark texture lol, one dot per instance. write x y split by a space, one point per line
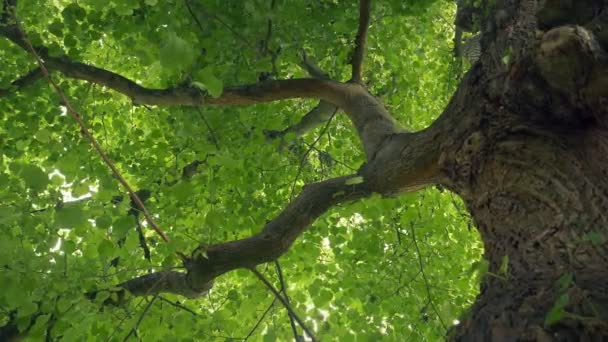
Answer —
533 172
524 141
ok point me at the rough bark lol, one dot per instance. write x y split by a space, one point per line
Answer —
533 173
523 141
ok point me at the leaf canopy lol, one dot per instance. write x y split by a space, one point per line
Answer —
355 275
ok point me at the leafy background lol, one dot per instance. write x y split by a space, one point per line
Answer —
393 269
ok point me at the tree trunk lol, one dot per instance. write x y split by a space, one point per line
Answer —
524 142
538 198
532 169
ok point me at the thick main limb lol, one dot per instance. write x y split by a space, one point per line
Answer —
372 121
208 262
267 91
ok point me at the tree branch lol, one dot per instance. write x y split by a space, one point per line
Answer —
283 289
267 91
22 82
316 116
153 284
208 262
239 95
372 121
311 120
8 8
312 68
278 235
359 53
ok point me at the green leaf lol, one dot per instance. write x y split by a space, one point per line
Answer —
175 53
132 241
504 266
198 85
270 336
23 323
34 177
40 326
80 189
506 58
557 312
27 309
105 248
69 246
122 226
43 135
233 295
101 296
183 191
73 12
562 301
69 217
206 78
125 7
354 180
103 221
554 316
4 179
63 304
595 237
564 282
56 28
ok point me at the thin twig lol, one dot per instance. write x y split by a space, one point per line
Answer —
138 304
260 320
211 131
284 290
218 19
85 131
330 156
426 281
284 302
141 318
266 40
198 23
359 53
293 185
178 305
142 238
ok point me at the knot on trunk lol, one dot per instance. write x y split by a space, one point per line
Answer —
566 58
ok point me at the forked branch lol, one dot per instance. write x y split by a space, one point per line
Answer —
316 116
312 68
359 52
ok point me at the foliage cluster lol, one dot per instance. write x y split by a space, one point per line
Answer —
397 269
